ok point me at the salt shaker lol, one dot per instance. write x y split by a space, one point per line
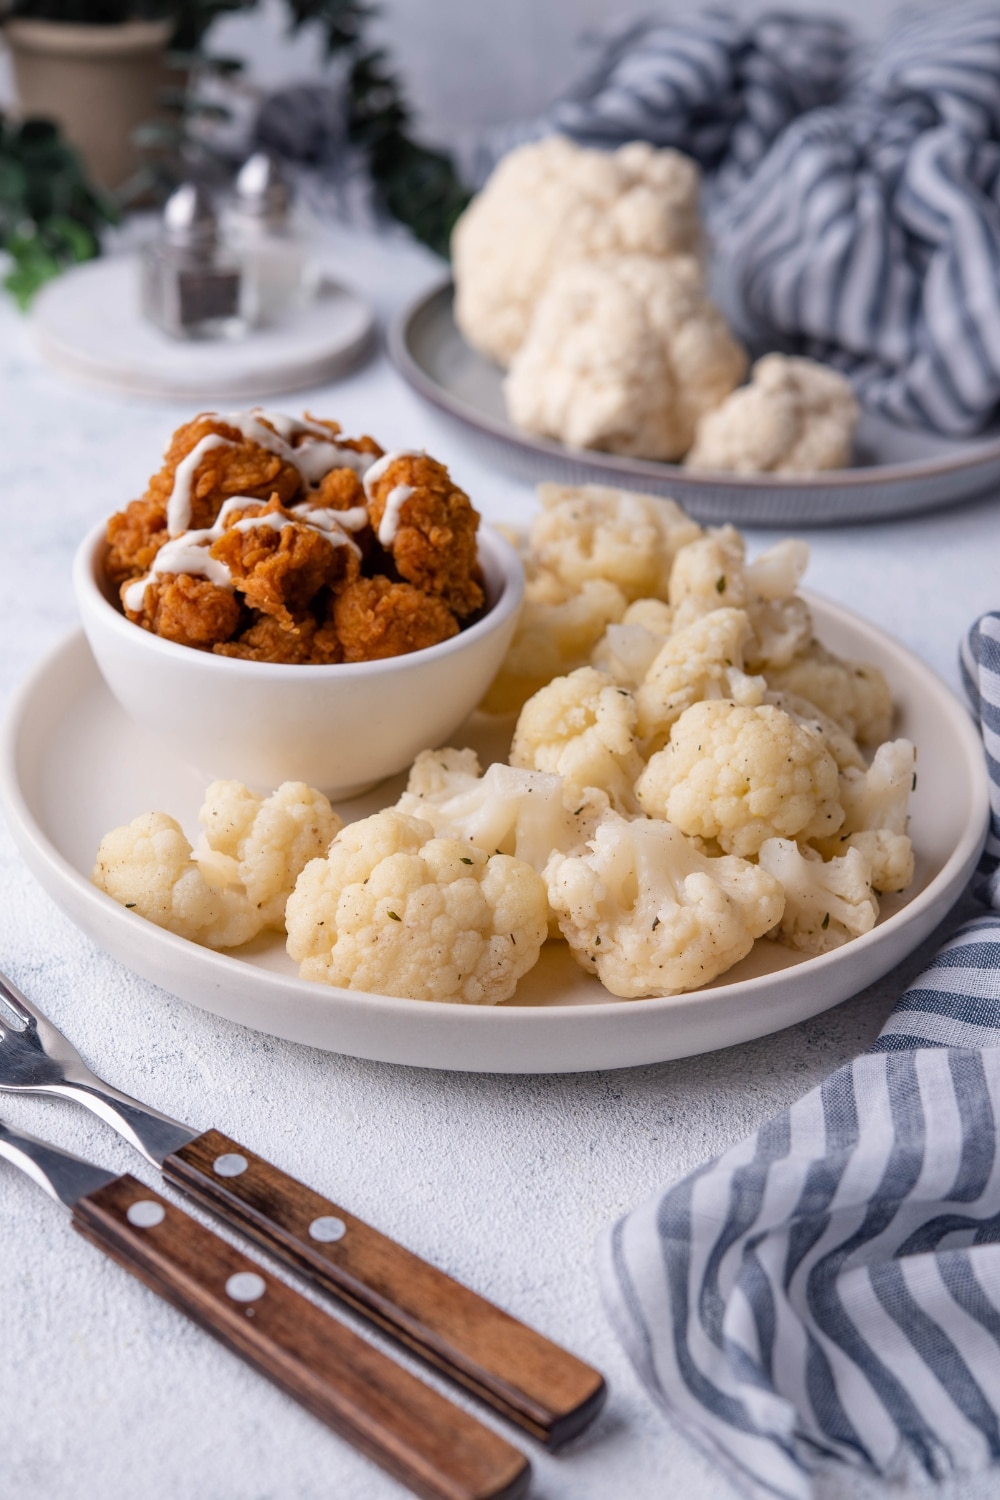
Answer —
260 225
193 286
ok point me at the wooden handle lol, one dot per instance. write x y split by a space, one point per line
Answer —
544 1389
421 1438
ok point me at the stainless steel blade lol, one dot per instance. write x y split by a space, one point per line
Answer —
36 1058
65 1177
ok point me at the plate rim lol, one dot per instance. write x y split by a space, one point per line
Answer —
923 911
872 476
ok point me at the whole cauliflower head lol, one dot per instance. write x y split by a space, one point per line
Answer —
147 866
582 728
557 629
262 844
827 902
624 353
855 694
703 661
742 775
550 203
393 910
650 914
593 531
794 417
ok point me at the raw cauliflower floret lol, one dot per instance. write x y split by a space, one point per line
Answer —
593 531
263 843
876 806
395 911
508 810
582 728
147 866
650 914
794 417
703 661
742 775
624 353
712 572
550 203
853 693
557 629
827 902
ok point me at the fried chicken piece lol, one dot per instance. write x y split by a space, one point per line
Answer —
188 610
375 618
279 565
341 489
236 467
434 545
267 640
135 535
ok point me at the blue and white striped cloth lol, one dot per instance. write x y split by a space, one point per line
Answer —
853 200
830 1288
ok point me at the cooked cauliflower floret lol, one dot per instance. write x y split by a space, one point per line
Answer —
876 806
624 353
550 203
794 417
506 811
853 693
650 914
263 843
582 728
741 775
395 911
626 651
147 866
703 661
839 743
712 572
592 531
556 631
827 902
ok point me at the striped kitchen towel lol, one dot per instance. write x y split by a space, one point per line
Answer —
852 195
829 1289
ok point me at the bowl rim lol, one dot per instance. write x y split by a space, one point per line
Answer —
94 605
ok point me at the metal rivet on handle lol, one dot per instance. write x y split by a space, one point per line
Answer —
326 1229
245 1286
230 1164
145 1213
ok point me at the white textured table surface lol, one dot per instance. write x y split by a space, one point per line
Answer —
107 1392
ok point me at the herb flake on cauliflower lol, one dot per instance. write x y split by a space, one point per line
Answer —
393 910
650 914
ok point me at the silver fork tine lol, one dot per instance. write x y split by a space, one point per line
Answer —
13 1000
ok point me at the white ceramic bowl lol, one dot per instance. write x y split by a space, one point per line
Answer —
340 728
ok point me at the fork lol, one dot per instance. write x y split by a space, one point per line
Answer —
533 1382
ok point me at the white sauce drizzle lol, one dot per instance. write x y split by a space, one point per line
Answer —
179 504
377 469
389 524
189 552
314 459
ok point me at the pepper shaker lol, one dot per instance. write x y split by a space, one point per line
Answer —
260 225
193 286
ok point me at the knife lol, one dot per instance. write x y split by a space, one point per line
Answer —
417 1435
540 1386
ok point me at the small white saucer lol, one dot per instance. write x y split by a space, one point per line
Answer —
87 324
73 766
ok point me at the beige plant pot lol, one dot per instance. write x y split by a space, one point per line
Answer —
97 82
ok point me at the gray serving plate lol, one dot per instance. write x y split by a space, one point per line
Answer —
898 472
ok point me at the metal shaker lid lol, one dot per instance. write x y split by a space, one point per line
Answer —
189 219
262 188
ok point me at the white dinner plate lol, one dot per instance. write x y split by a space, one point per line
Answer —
72 766
899 471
